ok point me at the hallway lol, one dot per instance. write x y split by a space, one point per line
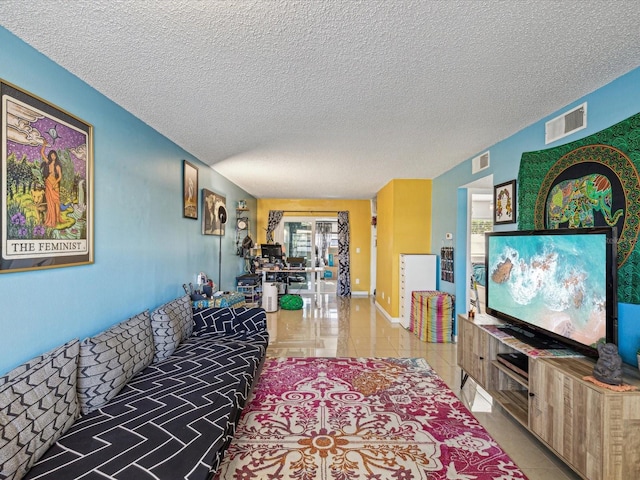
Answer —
328 326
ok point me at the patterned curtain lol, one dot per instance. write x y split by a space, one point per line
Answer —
344 262
274 219
323 230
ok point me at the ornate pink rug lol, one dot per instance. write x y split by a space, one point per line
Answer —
360 418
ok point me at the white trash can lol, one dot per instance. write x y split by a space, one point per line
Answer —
270 297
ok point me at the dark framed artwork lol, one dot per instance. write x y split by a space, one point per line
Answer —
47 184
504 203
446 264
190 190
211 203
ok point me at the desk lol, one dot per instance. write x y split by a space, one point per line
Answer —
318 271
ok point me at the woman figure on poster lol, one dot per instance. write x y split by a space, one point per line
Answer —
52 174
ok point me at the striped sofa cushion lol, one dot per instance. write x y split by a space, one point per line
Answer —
229 320
38 403
171 323
108 360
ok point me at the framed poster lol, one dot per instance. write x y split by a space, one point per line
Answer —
47 184
504 203
211 210
189 190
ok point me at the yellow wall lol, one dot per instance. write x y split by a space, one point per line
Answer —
404 226
386 275
359 227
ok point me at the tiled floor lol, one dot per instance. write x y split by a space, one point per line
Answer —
334 327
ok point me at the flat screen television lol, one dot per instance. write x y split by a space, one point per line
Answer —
555 283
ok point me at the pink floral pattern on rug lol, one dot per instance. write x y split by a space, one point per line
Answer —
360 418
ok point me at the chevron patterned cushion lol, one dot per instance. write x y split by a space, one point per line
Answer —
215 320
251 319
181 308
38 403
171 323
108 360
229 320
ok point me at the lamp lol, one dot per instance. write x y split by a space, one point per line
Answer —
222 218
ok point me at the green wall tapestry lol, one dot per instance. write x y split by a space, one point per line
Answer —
591 182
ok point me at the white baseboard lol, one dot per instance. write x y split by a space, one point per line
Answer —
389 317
359 293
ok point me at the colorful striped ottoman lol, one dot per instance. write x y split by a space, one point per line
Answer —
432 316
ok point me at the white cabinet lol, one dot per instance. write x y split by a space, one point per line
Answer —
417 273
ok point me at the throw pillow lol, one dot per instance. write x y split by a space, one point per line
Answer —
229 320
181 308
171 323
214 320
38 403
250 319
110 359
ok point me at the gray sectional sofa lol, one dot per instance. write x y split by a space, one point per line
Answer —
157 396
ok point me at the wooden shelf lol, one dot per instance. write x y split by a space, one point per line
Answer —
515 376
516 402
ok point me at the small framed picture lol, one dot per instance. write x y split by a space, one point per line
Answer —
190 190
504 203
212 203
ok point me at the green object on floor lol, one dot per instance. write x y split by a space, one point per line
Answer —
291 302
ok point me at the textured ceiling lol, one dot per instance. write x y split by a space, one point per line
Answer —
332 99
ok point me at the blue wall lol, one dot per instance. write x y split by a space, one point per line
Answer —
144 248
606 106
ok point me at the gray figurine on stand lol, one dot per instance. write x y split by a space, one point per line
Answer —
608 368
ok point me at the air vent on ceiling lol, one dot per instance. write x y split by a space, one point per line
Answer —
480 162
565 124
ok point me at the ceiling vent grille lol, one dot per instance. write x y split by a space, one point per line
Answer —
479 163
566 124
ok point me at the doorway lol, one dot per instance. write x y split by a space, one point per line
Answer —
479 221
311 242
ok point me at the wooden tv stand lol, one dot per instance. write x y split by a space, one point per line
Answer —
594 430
